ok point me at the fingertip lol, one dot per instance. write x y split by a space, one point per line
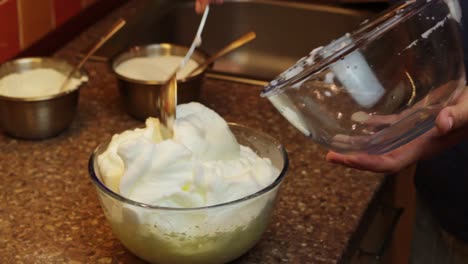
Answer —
332 157
450 122
342 159
349 161
444 121
198 7
359 161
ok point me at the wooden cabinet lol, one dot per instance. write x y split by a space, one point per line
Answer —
388 237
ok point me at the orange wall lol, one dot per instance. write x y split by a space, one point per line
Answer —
9 36
22 22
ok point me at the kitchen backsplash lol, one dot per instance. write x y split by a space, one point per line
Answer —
22 22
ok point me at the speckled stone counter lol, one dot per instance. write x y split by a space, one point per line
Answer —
49 210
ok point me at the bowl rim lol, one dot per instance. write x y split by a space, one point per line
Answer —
82 71
367 31
114 65
279 179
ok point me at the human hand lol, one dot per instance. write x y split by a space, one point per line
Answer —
200 5
451 127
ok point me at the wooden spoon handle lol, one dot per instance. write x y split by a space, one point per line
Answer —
230 47
116 27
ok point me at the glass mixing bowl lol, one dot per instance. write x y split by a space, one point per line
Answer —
211 234
381 86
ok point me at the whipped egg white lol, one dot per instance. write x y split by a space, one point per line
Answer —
201 165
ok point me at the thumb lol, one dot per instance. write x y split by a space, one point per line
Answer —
453 117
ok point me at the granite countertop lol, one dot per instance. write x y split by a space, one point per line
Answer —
49 210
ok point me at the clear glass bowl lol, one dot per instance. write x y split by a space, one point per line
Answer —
381 86
212 234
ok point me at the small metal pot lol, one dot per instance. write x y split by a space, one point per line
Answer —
140 97
38 117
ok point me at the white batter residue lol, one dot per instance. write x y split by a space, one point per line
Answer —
428 32
36 83
438 25
156 68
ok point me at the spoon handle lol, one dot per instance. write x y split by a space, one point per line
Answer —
168 99
196 41
116 27
230 47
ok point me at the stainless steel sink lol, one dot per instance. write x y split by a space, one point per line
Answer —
286 31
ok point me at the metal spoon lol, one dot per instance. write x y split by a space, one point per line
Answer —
116 27
168 98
